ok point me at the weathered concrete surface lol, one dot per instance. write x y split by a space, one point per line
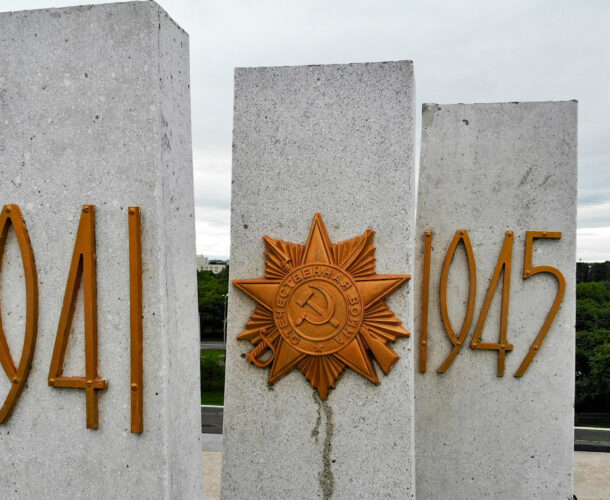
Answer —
336 140
95 109
591 478
212 464
490 168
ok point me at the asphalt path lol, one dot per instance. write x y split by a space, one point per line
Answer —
211 419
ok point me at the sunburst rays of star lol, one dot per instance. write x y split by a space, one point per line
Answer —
321 309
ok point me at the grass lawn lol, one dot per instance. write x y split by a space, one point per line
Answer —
213 354
216 398
600 420
212 376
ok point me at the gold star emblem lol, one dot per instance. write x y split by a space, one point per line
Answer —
321 308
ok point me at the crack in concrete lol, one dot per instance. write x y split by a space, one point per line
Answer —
325 476
315 432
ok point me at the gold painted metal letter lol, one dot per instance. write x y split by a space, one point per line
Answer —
529 271
82 266
457 341
135 307
425 299
11 215
504 263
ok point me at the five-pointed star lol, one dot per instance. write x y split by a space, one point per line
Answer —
351 261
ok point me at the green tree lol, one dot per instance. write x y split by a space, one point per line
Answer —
593 343
212 291
593 371
600 374
600 271
593 306
582 272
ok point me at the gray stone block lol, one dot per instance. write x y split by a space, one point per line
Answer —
95 109
337 140
491 168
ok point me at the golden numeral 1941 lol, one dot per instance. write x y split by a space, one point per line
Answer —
82 272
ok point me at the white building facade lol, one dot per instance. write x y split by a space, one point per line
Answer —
216 266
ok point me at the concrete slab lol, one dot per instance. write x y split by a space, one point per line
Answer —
592 476
338 140
212 463
211 442
95 109
489 169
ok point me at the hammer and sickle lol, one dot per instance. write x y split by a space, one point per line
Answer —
325 315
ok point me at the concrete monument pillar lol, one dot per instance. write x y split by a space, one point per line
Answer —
495 302
94 119
335 140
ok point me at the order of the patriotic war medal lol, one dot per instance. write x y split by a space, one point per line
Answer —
321 309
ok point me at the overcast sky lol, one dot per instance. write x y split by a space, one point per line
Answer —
471 51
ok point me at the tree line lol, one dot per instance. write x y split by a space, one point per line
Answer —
592 271
212 292
593 337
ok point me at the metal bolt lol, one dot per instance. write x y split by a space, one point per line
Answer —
15 380
462 232
85 209
89 383
428 234
527 273
134 387
8 209
132 211
51 381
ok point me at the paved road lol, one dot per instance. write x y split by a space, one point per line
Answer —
211 419
213 344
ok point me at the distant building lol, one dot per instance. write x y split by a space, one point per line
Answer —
216 266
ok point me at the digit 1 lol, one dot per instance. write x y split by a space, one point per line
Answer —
528 272
425 296
457 341
81 267
11 216
504 264
135 308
